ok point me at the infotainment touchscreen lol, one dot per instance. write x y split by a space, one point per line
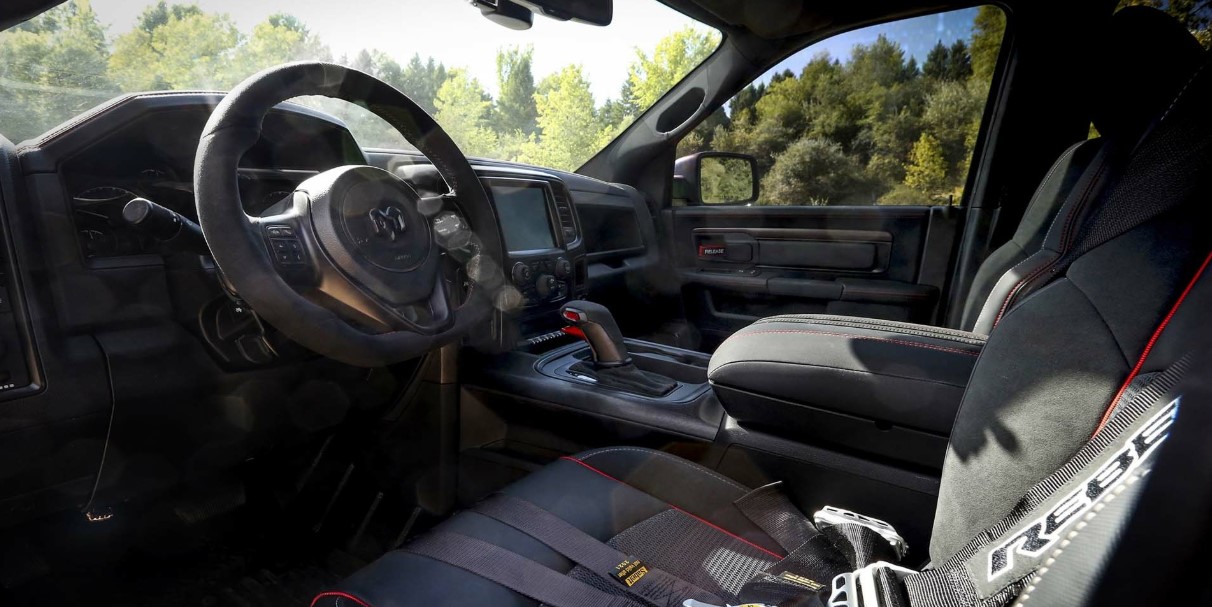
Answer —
525 220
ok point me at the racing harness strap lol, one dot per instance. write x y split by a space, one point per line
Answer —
643 580
513 571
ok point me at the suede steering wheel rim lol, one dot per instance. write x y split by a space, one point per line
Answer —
350 266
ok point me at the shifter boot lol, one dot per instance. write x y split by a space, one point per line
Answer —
627 378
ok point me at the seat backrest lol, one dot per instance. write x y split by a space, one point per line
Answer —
1148 56
1059 359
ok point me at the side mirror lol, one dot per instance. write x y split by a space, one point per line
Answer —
716 178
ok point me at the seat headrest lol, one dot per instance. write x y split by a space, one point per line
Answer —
1147 59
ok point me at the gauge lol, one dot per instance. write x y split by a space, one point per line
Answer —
103 194
97 242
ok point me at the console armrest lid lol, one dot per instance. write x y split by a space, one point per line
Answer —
908 375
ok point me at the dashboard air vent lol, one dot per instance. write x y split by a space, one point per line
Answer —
568 223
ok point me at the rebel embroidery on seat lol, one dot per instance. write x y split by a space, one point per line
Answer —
1038 536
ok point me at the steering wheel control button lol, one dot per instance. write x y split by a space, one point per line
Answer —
280 231
287 251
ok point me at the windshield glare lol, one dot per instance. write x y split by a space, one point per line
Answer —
553 95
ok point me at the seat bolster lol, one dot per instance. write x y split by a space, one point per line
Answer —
909 375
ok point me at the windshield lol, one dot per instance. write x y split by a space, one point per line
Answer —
553 95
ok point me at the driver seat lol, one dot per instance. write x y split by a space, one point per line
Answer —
1126 305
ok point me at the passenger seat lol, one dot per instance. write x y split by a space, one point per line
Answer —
791 375
1134 85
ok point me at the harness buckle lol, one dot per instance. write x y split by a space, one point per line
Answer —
829 516
860 588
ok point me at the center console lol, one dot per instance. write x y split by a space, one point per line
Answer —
545 253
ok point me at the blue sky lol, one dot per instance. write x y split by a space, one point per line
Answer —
917 36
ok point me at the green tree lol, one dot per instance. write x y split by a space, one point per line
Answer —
951 111
463 109
421 79
988 29
959 62
652 76
516 111
568 129
63 52
743 106
927 170
936 61
816 172
279 39
175 47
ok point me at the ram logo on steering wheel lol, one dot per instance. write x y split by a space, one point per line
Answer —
388 222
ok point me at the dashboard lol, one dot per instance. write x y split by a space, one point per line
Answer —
152 157
112 343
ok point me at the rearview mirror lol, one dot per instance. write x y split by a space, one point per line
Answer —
593 12
717 178
506 12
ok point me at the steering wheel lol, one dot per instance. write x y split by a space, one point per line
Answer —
351 265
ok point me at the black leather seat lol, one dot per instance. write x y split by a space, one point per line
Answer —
1055 365
664 508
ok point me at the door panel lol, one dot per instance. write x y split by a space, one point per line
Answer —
739 264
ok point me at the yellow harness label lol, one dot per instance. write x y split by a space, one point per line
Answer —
630 572
800 580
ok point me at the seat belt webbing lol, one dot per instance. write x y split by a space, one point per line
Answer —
772 511
645 581
515 572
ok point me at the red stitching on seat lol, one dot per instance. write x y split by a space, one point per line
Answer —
697 518
852 336
340 595
1140 363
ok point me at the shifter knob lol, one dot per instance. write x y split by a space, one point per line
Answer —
597 326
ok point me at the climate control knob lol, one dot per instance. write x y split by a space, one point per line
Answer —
546 286
521 274
563 268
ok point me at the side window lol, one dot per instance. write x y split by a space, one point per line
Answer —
888 115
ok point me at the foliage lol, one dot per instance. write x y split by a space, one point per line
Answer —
651 76
927 170
63 50
565 119
874 129
817 172
516 111
61 63
988 29
725 180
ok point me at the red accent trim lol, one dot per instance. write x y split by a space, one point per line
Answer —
695 517
1140 363
574 331
867 337
340 595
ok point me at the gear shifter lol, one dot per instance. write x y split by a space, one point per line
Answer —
612 366
595 324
